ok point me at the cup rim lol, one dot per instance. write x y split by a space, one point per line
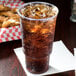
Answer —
43 19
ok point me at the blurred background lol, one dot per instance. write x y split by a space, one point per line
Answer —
73 8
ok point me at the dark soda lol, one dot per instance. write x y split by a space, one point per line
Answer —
37 42
37 36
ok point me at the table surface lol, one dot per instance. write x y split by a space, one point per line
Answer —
65 31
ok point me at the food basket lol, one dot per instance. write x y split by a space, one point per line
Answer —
11 33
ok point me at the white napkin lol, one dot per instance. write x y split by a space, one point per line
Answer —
75 59
61 59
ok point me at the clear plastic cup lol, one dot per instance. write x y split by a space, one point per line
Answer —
37 39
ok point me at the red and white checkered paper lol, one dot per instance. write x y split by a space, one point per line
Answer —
11 33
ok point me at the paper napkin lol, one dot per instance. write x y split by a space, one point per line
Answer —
61 59
75 59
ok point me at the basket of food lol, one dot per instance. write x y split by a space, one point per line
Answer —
9 20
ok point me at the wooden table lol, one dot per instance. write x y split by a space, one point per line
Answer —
65 31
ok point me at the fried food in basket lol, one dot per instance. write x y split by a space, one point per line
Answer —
9 14
8 17
4 8
2 18
0 24
9 22
14 10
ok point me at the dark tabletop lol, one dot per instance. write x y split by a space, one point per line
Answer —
65 31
